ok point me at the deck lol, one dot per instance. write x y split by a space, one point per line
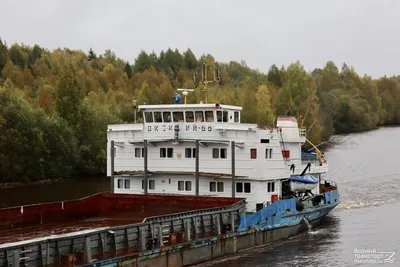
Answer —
97 211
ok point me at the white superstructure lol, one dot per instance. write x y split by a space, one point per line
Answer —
264 158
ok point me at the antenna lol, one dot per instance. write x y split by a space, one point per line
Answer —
185 92
204 79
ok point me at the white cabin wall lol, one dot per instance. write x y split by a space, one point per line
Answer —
168 184
259 168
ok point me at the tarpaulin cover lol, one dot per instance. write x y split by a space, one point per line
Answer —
305 179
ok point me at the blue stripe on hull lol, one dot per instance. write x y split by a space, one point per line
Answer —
283 213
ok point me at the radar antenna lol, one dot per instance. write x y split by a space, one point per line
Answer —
185 92
204 78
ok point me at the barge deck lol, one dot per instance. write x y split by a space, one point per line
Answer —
98 211
105 225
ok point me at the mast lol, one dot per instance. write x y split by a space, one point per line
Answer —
204 78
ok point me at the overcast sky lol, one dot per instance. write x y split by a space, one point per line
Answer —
363 33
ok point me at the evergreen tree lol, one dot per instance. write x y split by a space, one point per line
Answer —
91 55
128 70
16 56
190 59
3 55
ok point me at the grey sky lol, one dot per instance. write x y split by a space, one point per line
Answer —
361 33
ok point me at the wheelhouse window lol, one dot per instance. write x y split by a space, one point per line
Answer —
148 116
157 116
209 116
219 116
225 116
253 153
199 116
167 116
222 116
178 116
236 116
189 116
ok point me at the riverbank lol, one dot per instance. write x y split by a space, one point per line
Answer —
19 184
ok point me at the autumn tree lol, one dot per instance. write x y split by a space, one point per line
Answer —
69 95
265 112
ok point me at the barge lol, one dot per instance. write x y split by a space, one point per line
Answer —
189 183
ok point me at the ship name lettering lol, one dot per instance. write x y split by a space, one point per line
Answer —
194 128
149 128
209 128
170 128
156 128
164 128
203 128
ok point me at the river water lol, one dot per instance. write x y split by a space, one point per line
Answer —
366 168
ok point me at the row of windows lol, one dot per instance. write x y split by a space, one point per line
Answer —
189 116
217 153
241 187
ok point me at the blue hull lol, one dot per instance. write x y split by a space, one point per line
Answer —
283 213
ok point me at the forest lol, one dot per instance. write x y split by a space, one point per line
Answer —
55 105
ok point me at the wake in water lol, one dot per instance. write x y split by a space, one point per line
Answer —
310 230
308 224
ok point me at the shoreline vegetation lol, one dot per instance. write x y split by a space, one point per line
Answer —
55 105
